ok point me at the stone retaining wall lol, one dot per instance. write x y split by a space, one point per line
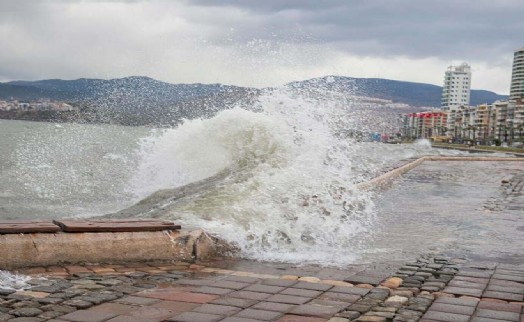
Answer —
42 249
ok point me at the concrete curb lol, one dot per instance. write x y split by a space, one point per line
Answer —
43 249
393 174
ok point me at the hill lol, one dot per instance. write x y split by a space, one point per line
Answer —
414 94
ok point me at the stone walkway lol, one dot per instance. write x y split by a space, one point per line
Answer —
429 289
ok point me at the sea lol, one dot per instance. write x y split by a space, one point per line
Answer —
279 181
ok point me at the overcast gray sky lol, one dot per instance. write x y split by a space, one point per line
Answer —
260 42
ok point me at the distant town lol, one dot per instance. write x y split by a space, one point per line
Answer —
498 123
38 105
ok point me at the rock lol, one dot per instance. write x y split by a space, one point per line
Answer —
5 291
404 293
22 304
50 315
372 319
338 319
309 279
4 317
393 282
38 295
388 315
26 312
396 300
364 286
79 304
349 314
336 283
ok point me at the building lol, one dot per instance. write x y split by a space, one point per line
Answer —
456 89
425 124
517 76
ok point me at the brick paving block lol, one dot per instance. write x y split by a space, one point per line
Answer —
509 272
498 315
231 301
213 290
191 282
467 284
238 319
230 284
350 290
151 314
288 299
448 317
475 273
88 316
271 289
512 278
471 279
259 314
499 306
279 282
503 296
164 293
313 286
301 292
114 308
136 300
176 307
361 279
249 295
242 279
463 291
188 297
506 289
122 318
298 318
271 306
322 302
340 297
480 319
196 317
449 308
224 310
315 310
498 282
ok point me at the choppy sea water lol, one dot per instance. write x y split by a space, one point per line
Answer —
279 183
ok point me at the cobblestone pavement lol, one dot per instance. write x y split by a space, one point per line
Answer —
428 289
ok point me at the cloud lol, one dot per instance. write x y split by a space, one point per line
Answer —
259 43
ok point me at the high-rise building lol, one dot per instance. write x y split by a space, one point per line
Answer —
517 76
457 85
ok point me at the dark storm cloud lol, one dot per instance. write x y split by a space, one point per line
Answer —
447 29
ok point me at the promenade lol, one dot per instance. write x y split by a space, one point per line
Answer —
482 281
428 289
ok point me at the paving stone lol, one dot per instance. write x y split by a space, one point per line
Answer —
79 304
503 296
301 292
463 291
506 289
367 318
4 317
298 318
271 289
359 307
231 301
361 279
449 308
351 315
137 300
50 300
49 315
26 319
499 306
475 273
457 301
261 315
87 316
498 315
288 299
181 296
316 310
224 310
230 285
313 286
213 290
350 290
512 278
249 295
279 282
387 315
271 306
340 297
448 317
238 319
196 317
504 283
26 311
467 284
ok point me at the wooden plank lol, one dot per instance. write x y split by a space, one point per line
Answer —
27 226
120 225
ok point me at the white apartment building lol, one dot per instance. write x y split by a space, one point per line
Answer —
517 76
457 86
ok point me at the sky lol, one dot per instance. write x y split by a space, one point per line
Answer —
260 42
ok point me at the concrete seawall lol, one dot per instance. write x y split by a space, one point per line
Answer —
43 249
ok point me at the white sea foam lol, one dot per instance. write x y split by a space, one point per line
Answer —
12 281
290 195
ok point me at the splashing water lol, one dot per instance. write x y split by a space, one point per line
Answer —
281 183
12 281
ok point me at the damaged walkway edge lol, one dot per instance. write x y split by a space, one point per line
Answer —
43 249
